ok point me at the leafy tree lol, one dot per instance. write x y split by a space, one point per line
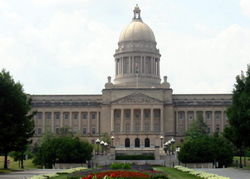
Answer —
62 149
17 126
199 147
197 129
238 131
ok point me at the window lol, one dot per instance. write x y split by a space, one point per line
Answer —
84 131
57 130
117 114
66 115
127 114
147 142
93 115
137 126
75 115
39 115
137 142
146 127
85 115
146 113
93 130
127 127
39 131
127 142
48 115
57 115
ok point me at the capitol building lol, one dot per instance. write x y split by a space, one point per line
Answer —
137 107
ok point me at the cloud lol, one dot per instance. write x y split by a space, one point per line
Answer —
245 5
205 65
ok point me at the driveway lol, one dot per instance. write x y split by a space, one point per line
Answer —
229 172
27 173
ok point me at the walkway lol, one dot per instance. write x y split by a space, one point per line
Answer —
229 172
27 173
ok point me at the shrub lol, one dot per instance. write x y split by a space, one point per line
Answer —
135 157
120 166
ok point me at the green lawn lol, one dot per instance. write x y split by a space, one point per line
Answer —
247 161
175 174
14 165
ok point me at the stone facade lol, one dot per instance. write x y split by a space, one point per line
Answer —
137 108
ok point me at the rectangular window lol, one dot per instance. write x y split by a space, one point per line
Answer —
48 115
39 115
75 115
93 115
84 131
39 131
84 115
57 115
66 115
93 130
57 130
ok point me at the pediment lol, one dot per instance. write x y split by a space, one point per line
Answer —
137 98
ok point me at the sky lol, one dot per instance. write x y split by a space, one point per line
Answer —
67 46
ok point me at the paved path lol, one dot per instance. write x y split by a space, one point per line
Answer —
27 173
229 172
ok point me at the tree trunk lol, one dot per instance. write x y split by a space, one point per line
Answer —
240 158
6 160
22 161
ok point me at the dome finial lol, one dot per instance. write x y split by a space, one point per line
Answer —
137 12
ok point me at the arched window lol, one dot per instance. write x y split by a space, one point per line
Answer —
147 142
127 142
137 142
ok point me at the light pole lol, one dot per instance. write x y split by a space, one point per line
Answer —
161 140
112 141
172 141
97 141
102 146
106 146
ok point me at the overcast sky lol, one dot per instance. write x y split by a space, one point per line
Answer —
67 46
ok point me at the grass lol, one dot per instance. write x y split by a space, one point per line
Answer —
14 165
236 158
63 176
175 174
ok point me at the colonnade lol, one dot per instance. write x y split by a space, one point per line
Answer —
154 115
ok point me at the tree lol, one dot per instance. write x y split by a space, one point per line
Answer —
17 126
197 129
238 131
62 149
199 147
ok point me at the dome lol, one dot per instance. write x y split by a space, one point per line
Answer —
137 31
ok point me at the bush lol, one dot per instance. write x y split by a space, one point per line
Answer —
135 157
120 166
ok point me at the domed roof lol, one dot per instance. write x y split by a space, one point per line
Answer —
137 30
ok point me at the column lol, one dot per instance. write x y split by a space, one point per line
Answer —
70 120
142 120
129 65
132 121
112 120
88 130
141 65
177 121
133 65
44 122
162 125
122 65
213 121
152 119
222 121
79 123
53 123
61 119
97 122
186 121
122 120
